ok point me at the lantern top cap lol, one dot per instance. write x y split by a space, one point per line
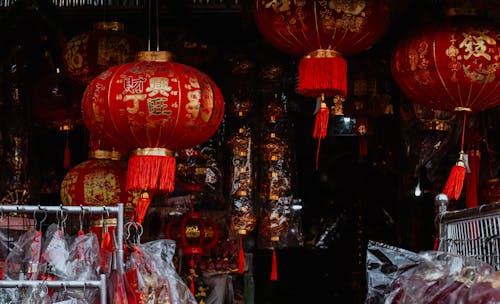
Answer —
109 26
105 154
152 152
158 56
323 53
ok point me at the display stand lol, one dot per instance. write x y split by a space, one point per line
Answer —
101 283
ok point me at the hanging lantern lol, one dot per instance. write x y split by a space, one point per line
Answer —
90 53
184 231
98 181
451 66
317 31
156 107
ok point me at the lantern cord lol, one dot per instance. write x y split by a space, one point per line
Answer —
149 24
157 27
463 131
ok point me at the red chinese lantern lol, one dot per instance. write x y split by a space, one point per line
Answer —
98 181
90 53
322 32
453 66
156 107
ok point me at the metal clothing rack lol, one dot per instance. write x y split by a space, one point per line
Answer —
101 283
472 232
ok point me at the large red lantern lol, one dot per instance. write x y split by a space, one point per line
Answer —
452 65
156 107
90 53
322 32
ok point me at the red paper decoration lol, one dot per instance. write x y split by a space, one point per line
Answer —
90 53
452 65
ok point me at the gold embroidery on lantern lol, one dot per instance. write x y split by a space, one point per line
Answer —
192 231
158 85
135 102
475 45
134 85
158 106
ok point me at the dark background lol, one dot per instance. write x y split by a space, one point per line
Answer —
347 202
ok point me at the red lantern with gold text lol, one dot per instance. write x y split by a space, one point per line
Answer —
90 53
322 32
98 181
452 65
156 107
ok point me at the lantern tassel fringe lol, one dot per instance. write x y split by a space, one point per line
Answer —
151 172
322 75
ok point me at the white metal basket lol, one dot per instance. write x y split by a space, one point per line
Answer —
472 232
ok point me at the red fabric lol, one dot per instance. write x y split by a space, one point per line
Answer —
440 66
274 267
299 27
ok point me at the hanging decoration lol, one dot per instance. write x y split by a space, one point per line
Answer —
242 177
88 54
317 31
157 107
451 66
98 181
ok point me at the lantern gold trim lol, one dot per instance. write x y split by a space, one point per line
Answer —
152 152
110 26
323 53
157 56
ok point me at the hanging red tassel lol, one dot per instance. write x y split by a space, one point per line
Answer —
67 153
322 72
142 206
274 267
193 274
152 169
241 257
455 182
472 178
321 126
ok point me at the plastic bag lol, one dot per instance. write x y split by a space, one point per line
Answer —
385 263
152 274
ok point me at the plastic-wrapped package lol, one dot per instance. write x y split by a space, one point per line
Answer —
242 177
398 276
151 273
385 263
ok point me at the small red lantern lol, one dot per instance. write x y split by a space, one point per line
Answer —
98 181
193 232
90 53
156 107
451 66
322 32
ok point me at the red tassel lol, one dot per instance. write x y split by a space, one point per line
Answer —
67 154
241 257
323 71
455 182
142 207
321 126
274 267
191 286
151 172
